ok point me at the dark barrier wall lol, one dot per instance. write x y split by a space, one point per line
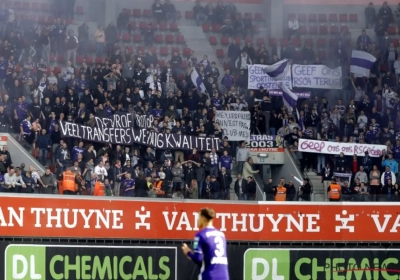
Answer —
39 261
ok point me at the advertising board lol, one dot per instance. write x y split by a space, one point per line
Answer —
104 218
51 261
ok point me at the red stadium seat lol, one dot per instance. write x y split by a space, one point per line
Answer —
291 15
169 39
309 41
173 27
212 40
154 25
140 49
298 55
189 15
51 20
60 59
163 51
321 55
158 38
130 49
89 59
23 17
175 49
79 60
99 60
391 30
353 18
206 27
344 29
184 64
313 30
52 58
322 18
312 17
79 10
334 30
45 7
333 18
343 18
258 16
225 40
216 28
17 5
163 26
302 18
132 25
137 38
186 52
137 13
248 15
321 43
143 25
26 5
147 13
178 14
296 42
395 42
42 19
126 37
180 39
68 21
302 30
272 42
227 65
161 62
323 30
220 53
128 12
260 41
384 68
284 42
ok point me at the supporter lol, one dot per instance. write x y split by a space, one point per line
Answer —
169 11
293 27
199 13
251 187
370 15
100 37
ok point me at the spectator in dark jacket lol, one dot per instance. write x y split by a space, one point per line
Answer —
305 190
111 37
215 188
251 188
71 45
43 143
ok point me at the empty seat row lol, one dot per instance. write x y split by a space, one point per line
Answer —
216 28
323 29
143 25
37 6
158 38
224 40
325 18
320 42
257 16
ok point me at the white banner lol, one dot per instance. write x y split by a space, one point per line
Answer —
316 76
235 124
257 78
335 148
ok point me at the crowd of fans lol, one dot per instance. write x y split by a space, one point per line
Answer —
36 100
372 116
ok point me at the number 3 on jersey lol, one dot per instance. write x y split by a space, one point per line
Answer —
219 245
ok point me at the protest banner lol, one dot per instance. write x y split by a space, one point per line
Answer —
151 219
126 119
278 92
335 148
235 124
257 78
124 135
316 76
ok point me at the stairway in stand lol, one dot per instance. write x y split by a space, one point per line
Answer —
197 40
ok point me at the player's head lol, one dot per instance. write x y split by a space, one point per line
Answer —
206 216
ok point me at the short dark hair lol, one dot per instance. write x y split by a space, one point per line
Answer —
207 213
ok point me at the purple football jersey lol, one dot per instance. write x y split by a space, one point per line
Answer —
209 250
